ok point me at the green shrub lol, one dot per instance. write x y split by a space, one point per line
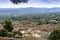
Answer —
17 32
20 33
8 25
43 22
10 35
3 32
39 23
55 35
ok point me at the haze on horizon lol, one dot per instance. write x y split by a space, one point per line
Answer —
31 3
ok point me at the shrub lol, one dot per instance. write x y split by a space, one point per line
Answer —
10 35
43 22
3 32
17 32
8 25
55 35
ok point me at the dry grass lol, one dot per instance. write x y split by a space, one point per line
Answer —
31 38
28 24
5 38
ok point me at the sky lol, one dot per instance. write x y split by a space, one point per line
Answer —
31 3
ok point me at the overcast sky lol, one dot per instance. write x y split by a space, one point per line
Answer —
31 3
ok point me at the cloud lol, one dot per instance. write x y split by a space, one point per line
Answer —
31 3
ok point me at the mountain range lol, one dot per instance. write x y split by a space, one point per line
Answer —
9 11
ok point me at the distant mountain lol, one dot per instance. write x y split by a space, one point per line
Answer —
4 11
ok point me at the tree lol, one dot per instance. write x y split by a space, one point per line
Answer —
19 1
55 35
8 25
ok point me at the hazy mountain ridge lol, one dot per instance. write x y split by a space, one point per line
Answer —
27 10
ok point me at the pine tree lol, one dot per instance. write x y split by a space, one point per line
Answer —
8 25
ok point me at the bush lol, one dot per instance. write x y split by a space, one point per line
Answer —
10 35
3 32
17 32
43 22
55 35
8 25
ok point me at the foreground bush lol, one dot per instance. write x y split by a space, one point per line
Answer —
17 32
55 35
10 35
8 25
3 32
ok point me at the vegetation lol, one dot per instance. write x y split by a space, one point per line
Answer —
17 32
55 35
43 22
6 32
10 35
8 25
3 32
40 19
